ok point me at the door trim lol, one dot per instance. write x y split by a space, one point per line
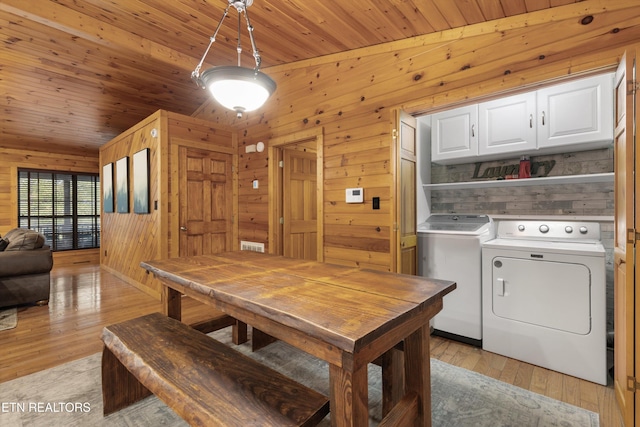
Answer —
275 179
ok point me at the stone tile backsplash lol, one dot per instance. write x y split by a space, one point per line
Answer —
594 199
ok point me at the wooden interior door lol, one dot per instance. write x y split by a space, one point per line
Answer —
624 241
300 205
405 211
310 142
206 201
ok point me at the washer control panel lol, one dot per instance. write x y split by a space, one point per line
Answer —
578 231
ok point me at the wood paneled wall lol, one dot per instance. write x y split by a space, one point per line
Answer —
183 131
130 238
352 96
12 160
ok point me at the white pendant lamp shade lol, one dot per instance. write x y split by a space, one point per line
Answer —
238 88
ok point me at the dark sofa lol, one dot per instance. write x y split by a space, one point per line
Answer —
25 268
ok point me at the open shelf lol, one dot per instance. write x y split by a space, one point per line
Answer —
550 180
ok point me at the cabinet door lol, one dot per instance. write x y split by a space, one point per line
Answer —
578 112
507 125
454 135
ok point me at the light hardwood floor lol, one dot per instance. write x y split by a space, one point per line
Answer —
84 299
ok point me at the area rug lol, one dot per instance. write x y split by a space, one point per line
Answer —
70 395
8 318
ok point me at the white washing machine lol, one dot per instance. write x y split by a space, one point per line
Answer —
544 296
450 248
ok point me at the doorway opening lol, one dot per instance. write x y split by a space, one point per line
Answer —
295 195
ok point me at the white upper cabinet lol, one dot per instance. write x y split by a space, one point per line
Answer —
454 134
566 117
508 125
578 112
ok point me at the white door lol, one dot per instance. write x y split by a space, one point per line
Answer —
507 125
577 112
454 134
550 294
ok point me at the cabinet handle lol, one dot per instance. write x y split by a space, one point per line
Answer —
530 120
543 118
183 228
473 131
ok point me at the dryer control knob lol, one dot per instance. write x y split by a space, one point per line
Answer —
568 229
583 230
544 228
521 227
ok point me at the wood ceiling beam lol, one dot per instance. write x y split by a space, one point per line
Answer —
87 28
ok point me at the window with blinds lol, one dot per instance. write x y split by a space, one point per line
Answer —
63 206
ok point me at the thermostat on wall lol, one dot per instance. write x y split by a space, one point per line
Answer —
355 195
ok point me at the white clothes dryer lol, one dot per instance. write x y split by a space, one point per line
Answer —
450 248
544 298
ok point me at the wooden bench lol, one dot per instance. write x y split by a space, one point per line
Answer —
204 381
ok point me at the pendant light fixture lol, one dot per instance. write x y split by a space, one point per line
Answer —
235 87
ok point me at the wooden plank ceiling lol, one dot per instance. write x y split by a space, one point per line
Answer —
74 74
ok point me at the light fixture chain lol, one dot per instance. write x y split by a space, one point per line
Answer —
196 73
239 48
256 54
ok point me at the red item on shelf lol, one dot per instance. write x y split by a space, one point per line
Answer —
525 167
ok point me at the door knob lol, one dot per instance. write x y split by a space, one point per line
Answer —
183 228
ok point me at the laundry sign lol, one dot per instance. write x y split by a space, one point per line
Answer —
538 169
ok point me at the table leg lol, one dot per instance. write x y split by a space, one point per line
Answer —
417 368
392 379
349 397
171 301
260 339
239 332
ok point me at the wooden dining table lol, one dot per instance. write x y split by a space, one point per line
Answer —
347 316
